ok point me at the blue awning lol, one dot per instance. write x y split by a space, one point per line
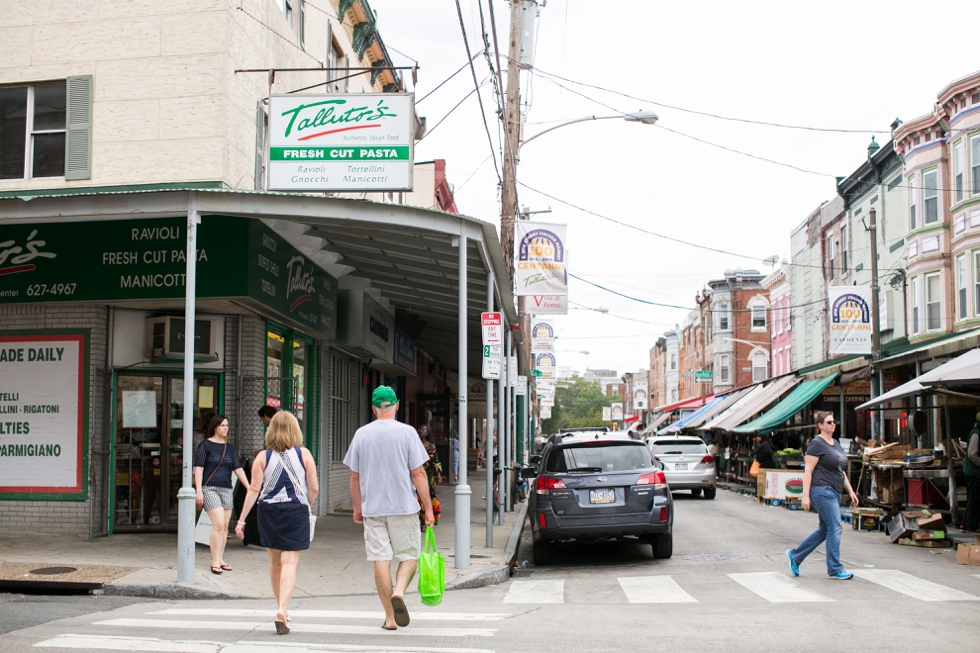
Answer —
678 425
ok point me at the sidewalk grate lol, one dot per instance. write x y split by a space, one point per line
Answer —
51 571
707 557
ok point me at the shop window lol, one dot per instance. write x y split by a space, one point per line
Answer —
290 385
930 197
961 286
933 302
759 367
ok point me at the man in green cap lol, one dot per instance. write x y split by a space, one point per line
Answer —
386 461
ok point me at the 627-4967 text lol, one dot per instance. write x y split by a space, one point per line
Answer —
39 289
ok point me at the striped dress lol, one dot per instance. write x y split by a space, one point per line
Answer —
283 508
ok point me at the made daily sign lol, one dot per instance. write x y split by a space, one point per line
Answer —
43 417
355 142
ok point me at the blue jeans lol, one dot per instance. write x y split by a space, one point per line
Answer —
826 501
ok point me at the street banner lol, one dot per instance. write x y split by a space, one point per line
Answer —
640 395
492 327
492 361
547 305
547 401
850 319
545 363
340 142
617 412
545 412
542 335
606 414
539 265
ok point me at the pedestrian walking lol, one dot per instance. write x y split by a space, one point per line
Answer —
824 480
284 486
433 475
971 468
215 461
387 471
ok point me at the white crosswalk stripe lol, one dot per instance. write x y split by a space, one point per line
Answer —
917 588
654 589
296 627
332 614
114 643
777 588
536 591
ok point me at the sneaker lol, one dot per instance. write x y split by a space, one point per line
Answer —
843 575
793 567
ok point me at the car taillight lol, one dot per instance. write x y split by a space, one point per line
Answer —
542 521
708 459
663 514
544 484
656 479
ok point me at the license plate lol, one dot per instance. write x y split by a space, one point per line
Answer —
680 466
602 496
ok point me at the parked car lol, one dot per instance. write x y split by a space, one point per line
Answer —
597 484
687 463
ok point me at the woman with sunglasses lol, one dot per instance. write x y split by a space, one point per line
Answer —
824 480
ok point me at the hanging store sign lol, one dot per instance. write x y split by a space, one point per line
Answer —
540 259
547 305
850 319
542 335
44 405
640 395
355 142
406 352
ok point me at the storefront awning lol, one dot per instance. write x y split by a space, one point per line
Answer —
752 403
935 349
716 408
678 425
687 403
796 401
964 369
660 419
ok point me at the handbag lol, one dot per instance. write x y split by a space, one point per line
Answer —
754 470
292 479
432 571
213 472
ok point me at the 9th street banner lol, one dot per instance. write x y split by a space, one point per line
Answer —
850 319
539 265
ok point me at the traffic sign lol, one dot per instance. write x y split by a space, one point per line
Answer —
521 385
492 327
704 376
492 361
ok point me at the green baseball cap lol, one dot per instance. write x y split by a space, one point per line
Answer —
383 397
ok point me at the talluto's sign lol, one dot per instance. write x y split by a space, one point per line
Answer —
145 259
357 142
43 415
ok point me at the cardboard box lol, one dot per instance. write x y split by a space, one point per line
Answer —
929 535
780 484
931 522
902 527
969 554
927 544
866 519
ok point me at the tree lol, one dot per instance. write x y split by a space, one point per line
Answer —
578 404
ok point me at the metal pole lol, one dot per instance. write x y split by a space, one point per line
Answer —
186 496
488 456
501 430
462 492
875 320
508 414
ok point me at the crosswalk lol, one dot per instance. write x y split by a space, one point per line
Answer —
217 629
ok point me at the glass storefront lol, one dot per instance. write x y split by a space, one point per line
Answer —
288 364
149 444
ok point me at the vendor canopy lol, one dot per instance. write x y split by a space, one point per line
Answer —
678 425
660 419
753 402
796 401
964 369
716 407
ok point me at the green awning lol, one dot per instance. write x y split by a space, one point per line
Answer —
795 401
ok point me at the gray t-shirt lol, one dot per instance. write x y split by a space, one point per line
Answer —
384 453
830 466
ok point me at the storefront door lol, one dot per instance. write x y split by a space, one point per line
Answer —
289 355
149 444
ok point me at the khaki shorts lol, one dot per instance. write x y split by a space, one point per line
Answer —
395 537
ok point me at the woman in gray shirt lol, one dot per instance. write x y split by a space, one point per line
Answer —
823 482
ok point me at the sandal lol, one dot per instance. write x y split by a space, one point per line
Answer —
384 626
226 567
282 628
401 611
216 571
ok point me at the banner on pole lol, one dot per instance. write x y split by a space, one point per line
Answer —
539 266
606 414
545 412
542 335
545 363
617 412
547 305
640 395
850 319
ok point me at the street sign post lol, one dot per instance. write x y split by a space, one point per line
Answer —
704 376
492 328
492 357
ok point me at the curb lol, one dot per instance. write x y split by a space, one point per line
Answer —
500 573
164 591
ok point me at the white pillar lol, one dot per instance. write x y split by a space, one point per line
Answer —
462 492
488 454
186 495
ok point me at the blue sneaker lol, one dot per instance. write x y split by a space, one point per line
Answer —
793 567
842 575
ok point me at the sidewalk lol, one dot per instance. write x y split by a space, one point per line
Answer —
146 564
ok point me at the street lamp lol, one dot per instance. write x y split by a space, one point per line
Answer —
644 117
747 342
570 351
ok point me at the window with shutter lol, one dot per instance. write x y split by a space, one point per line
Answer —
78 144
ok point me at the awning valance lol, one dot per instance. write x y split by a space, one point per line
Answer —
660 419
752 403
717 407
678 425
801 397
687 403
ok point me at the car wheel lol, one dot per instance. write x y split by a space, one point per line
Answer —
663 547
696 492
542 553
709 492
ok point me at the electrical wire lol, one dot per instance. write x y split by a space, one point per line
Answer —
428 132
417 102
476 84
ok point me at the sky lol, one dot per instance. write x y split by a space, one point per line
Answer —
847 66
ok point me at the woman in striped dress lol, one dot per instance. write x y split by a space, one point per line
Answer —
284 484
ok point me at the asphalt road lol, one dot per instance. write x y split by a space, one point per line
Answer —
727 588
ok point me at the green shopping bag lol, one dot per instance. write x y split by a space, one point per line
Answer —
432 571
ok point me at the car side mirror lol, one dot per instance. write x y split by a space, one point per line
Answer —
535 460
659 465
529 472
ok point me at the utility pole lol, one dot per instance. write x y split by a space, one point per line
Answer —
875 317
512 134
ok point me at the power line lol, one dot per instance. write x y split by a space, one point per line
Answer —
417 102
476 84
428 132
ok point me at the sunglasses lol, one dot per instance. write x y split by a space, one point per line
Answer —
830 421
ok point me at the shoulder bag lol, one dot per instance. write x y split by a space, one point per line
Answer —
295 482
